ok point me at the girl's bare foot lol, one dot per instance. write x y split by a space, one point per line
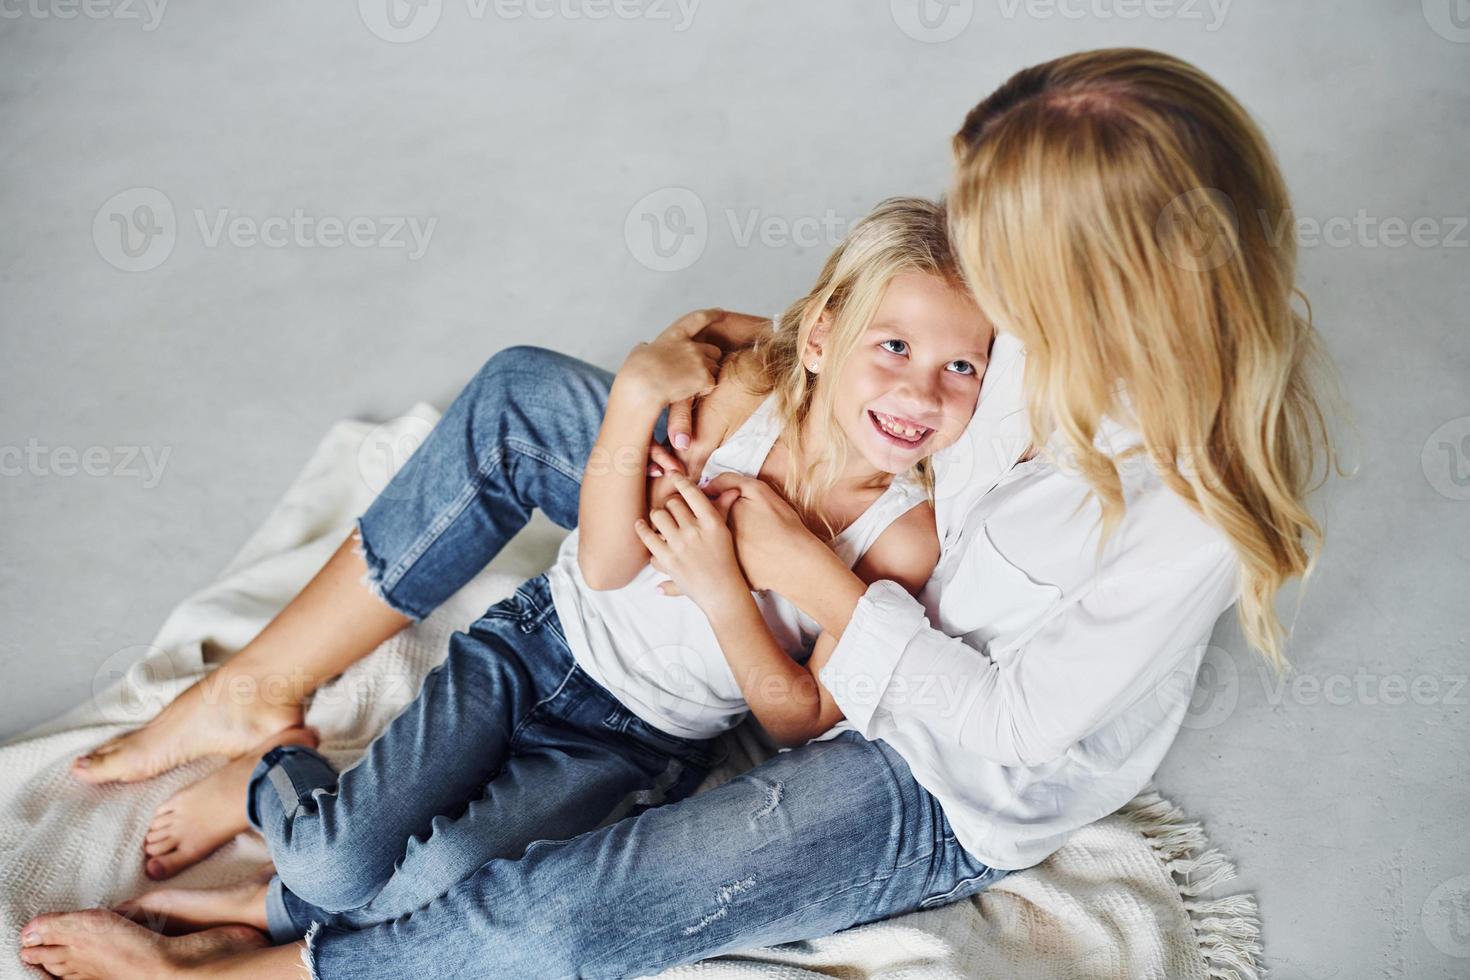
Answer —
223 714
101 945
204 816
330 625
180 910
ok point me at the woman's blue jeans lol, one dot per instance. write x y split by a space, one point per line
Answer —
826 836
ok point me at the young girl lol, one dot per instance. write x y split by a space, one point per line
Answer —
878 368
592 692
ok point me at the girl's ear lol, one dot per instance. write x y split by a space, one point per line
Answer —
816 342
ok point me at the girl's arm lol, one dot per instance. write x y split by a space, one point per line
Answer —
905 553
615 482
692 544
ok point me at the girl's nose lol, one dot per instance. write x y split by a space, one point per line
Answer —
923 394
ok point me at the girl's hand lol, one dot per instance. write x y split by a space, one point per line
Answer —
672 368
691 543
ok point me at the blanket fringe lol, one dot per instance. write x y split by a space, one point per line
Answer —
1227 930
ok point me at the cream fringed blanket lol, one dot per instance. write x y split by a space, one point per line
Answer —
1126 898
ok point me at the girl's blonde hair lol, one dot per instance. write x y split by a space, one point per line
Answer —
902 234
1123 200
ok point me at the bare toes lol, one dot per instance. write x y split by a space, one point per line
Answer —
158 850
169 864
52 959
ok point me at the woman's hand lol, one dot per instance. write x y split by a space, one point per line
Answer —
778 552
771 541
691 543
669 369
721 329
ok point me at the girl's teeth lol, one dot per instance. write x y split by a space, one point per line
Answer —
902 431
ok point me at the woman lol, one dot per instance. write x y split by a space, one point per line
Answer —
1175 434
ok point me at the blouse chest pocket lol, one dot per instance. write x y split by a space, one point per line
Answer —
993 600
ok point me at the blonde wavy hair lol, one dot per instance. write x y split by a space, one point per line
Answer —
1123 200
901 234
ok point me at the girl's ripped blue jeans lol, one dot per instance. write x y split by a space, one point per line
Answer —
560 882
508 742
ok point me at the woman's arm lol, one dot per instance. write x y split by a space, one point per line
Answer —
1140 619
1120 642
789 699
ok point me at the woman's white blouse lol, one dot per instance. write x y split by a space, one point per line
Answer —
1038 683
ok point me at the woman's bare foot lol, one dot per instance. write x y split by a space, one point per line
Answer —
204 816
179 910
223 714
101 945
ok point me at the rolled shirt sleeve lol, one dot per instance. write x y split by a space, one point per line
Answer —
892 672
883 624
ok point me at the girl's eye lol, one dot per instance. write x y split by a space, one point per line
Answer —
895 346
962 367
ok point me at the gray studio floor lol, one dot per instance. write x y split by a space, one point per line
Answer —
157 400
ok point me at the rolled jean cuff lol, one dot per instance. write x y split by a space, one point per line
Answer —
377 569
281 926
283 780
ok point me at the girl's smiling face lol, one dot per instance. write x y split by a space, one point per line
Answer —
910 385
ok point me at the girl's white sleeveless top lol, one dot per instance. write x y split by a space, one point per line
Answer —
658 654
